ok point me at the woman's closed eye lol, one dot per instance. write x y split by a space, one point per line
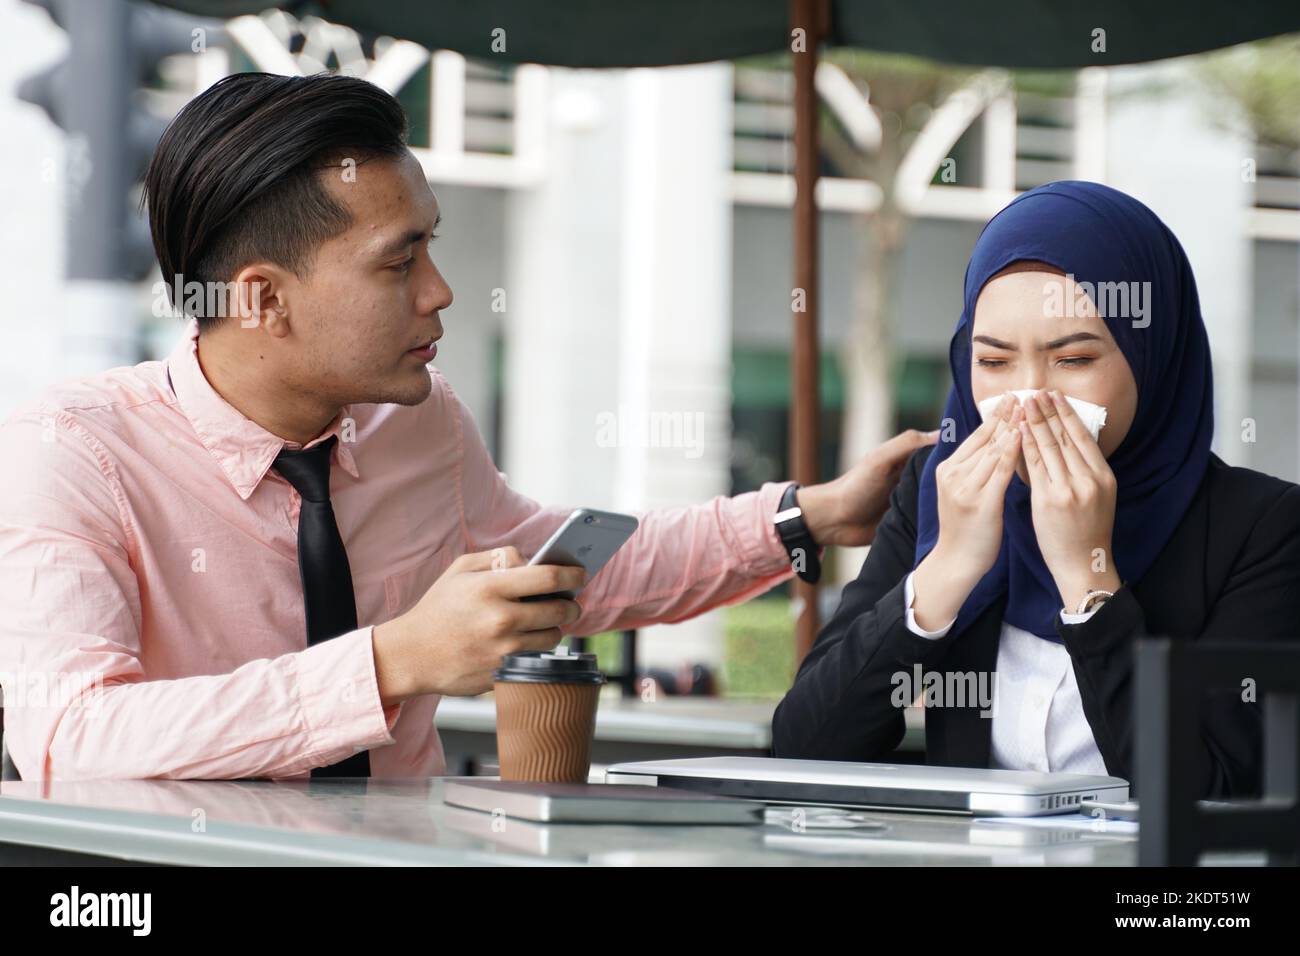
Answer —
1069 361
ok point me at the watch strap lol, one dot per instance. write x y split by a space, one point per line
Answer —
797 539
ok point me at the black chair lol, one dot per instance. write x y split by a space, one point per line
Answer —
1173 678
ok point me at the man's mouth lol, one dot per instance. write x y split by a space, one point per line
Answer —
426 350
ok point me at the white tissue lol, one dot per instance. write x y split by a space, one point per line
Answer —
1092 416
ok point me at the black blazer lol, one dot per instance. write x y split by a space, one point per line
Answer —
1230 572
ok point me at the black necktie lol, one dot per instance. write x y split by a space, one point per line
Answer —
323 565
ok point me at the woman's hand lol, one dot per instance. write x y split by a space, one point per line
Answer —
1072 498
971 485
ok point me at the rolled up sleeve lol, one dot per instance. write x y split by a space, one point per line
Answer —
685 561
680 562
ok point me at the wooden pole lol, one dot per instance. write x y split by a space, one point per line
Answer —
810 16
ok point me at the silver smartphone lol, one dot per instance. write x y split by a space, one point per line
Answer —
588 538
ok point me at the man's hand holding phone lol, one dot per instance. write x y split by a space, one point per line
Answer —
472 616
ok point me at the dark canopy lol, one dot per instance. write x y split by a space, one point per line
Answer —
603 33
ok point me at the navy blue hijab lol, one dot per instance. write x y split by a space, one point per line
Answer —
1097 234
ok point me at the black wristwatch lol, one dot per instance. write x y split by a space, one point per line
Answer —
798 541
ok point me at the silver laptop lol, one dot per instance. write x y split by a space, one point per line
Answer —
596 803
833 783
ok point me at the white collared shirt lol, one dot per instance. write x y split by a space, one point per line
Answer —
1038 719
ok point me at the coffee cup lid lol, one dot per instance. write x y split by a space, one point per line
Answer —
550 667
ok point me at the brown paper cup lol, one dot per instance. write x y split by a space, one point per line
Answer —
544 730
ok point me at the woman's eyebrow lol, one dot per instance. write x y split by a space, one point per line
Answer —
1045 347
1069 340
996 343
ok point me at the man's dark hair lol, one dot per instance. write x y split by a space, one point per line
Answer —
234 178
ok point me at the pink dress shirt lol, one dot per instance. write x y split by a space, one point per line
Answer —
151 614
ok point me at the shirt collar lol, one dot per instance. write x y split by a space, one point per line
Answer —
244 449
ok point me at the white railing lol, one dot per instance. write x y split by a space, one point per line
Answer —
486 122
1276 212
1024 141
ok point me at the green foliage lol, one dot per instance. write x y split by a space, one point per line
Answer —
759 649
1263 80
608 648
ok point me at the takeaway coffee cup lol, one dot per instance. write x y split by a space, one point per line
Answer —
546 715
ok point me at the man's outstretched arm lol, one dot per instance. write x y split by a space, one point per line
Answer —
681 561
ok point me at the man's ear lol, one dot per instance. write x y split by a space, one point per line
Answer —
261 293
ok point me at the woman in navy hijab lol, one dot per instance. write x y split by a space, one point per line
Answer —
1022 558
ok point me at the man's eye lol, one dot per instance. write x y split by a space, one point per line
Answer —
403 266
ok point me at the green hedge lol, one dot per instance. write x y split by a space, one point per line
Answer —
758 649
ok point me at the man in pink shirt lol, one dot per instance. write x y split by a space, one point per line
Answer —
172 579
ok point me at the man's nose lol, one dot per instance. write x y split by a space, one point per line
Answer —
436 293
